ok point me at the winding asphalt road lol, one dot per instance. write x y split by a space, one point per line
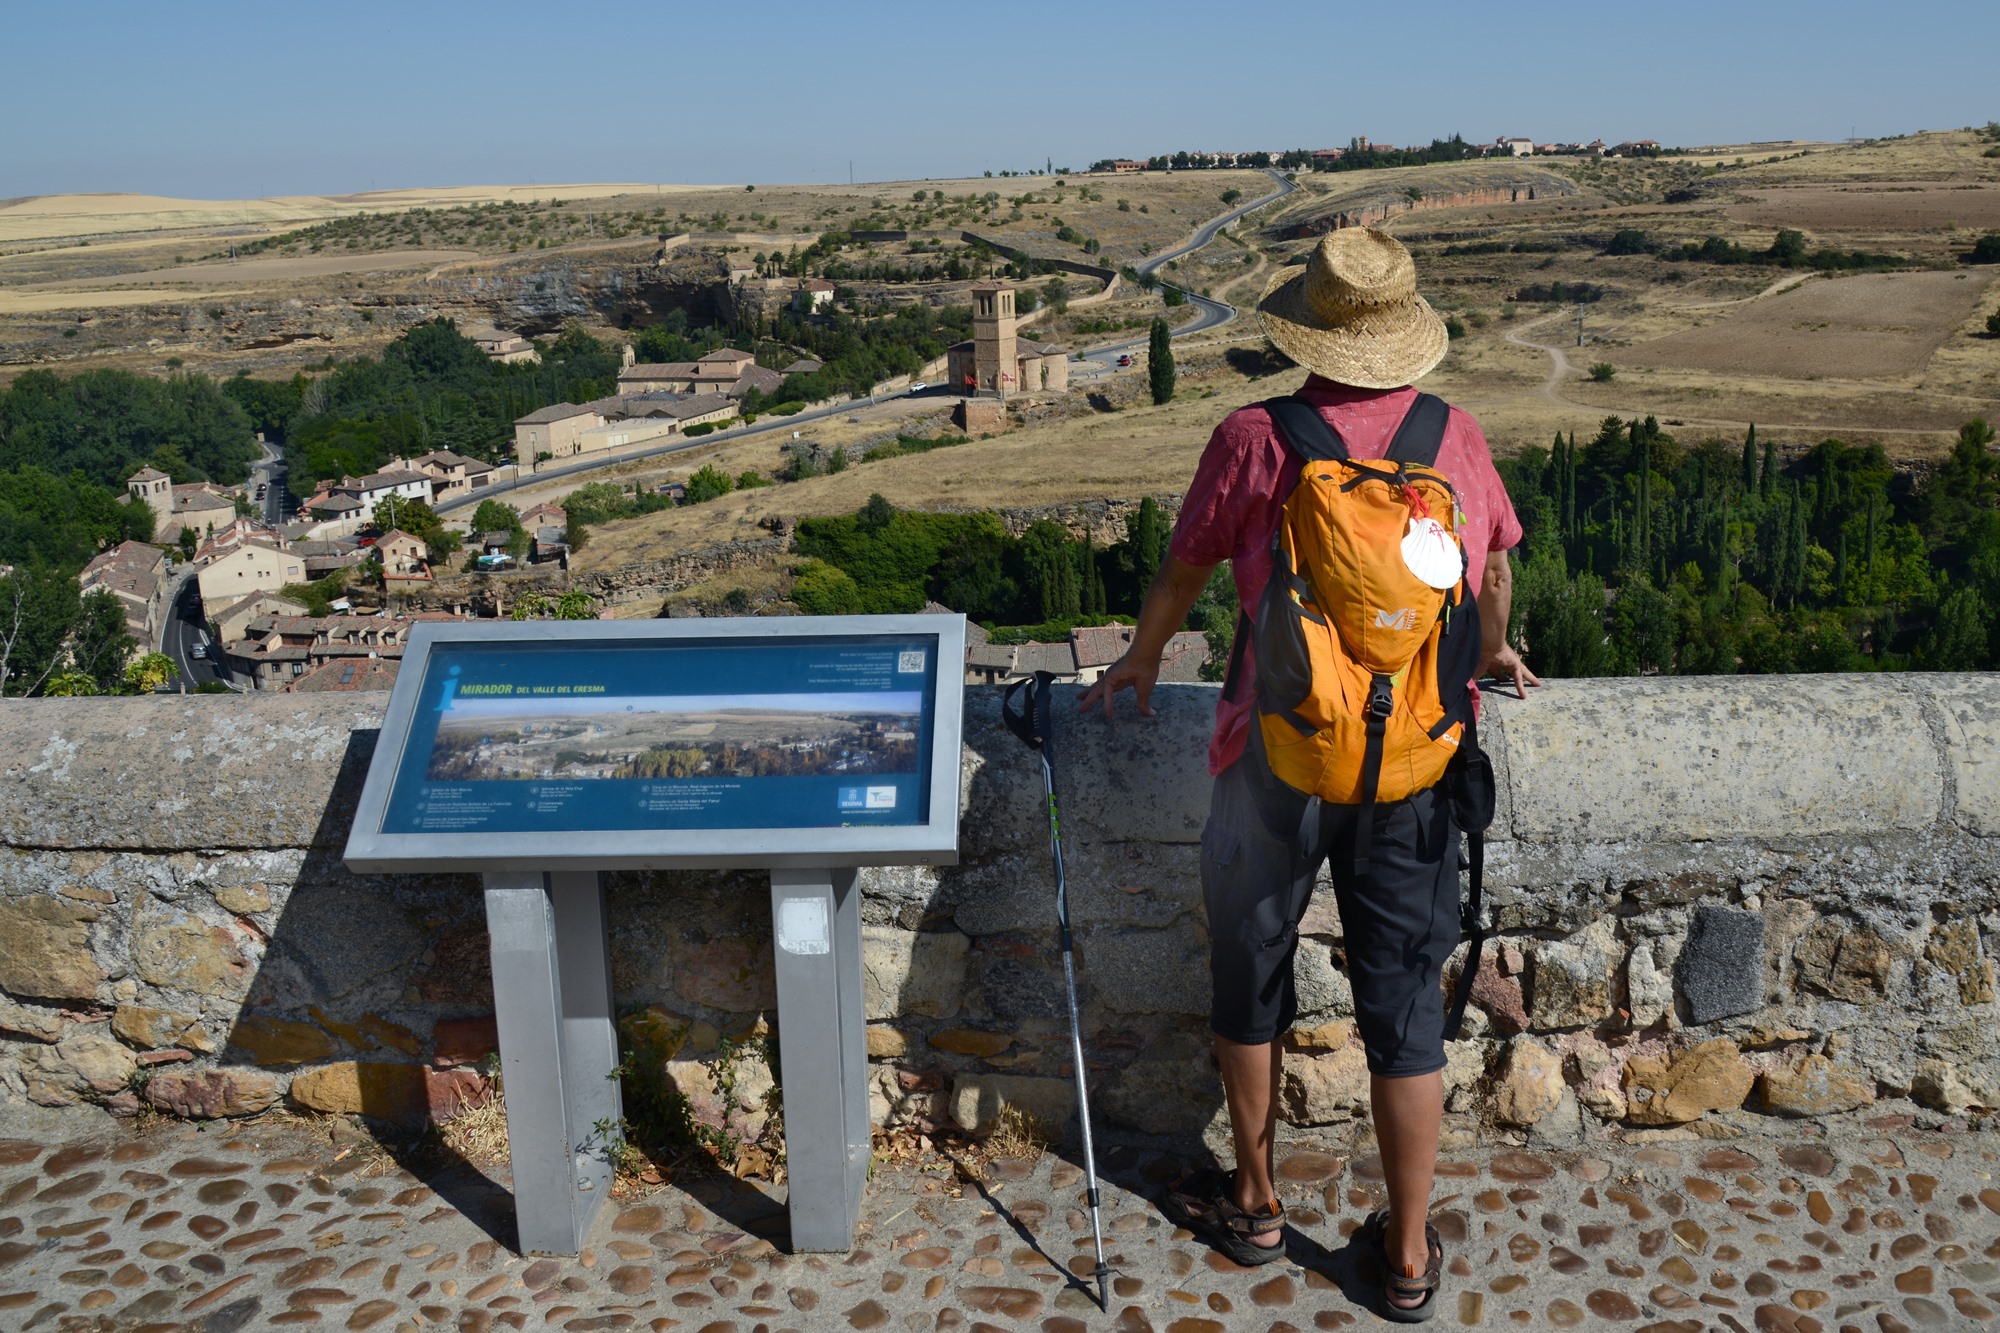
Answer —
1213 314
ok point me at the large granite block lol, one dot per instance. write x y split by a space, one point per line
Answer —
1722 963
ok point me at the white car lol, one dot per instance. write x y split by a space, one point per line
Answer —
919 387
199 650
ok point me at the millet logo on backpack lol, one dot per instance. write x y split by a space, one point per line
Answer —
1403 619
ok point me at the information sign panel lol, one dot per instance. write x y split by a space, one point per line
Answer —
634 744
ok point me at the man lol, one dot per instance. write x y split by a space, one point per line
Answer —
1354 319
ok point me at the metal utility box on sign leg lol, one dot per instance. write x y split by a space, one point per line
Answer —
541 755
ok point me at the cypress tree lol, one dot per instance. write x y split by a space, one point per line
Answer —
1146 534
1160 363
1868 552
1750 460
1768 483
1569 487
1642 526
1798 545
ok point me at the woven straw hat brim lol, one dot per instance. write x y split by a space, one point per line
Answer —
1383 347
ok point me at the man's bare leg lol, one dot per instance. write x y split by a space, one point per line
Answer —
1409 1115
1250 1086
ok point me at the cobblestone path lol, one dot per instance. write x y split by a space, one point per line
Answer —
273 1225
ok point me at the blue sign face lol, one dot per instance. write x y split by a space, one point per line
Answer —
749 733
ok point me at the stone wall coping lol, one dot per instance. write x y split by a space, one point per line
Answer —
1593 773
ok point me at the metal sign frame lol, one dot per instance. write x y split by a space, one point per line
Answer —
932 843
546 916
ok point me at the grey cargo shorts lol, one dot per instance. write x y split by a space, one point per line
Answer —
1400 923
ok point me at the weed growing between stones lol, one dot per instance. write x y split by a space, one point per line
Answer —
663 1131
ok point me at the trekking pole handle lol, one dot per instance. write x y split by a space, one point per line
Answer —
1033 722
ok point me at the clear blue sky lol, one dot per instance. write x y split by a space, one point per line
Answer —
227 100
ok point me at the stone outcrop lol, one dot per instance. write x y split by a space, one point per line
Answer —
1755 903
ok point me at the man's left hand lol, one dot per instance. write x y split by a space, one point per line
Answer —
1506 664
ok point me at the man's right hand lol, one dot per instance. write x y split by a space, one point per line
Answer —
1126 671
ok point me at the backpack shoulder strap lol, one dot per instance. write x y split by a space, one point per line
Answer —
1304 431
1421 435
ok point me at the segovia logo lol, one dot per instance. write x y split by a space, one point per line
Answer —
1403 619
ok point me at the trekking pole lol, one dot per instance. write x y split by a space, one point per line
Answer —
1033 725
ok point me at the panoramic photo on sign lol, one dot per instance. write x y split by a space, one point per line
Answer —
771 733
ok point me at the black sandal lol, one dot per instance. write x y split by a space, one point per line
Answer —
1373 1238
1205 1203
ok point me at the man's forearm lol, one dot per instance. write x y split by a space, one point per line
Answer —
1174 591
1496 606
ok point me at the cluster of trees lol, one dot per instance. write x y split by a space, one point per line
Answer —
431 389
107 424
885 559
66 449
859 353
55 639
1788 249
1643 555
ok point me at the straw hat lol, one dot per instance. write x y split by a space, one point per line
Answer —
1353 315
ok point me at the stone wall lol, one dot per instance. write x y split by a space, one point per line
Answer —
1717 899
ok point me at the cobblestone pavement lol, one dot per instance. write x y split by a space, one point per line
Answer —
275 1224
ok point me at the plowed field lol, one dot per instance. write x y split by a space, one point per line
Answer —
1871 207
1861 327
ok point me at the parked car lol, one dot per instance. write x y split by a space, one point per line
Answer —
1125 360
199 650
919 387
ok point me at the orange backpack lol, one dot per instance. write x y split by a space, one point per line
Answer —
1364 666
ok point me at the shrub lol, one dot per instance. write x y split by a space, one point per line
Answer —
1993 324
708 483
704 428
1454 327
1602 372
1986 250
825 590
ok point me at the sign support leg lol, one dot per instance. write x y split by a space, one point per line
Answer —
822 1051
552 999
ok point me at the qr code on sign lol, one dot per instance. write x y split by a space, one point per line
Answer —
911 662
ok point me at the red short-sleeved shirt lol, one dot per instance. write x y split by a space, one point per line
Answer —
1237 497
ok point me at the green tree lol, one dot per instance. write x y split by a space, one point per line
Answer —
708 483
412 516
824 590
1750 461
1561 619
1146 537
1160 363
38 608
1959 639
876 515
99 642
149 673
495 516
971 574
1642 628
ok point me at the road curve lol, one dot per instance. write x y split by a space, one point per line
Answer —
1214 314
